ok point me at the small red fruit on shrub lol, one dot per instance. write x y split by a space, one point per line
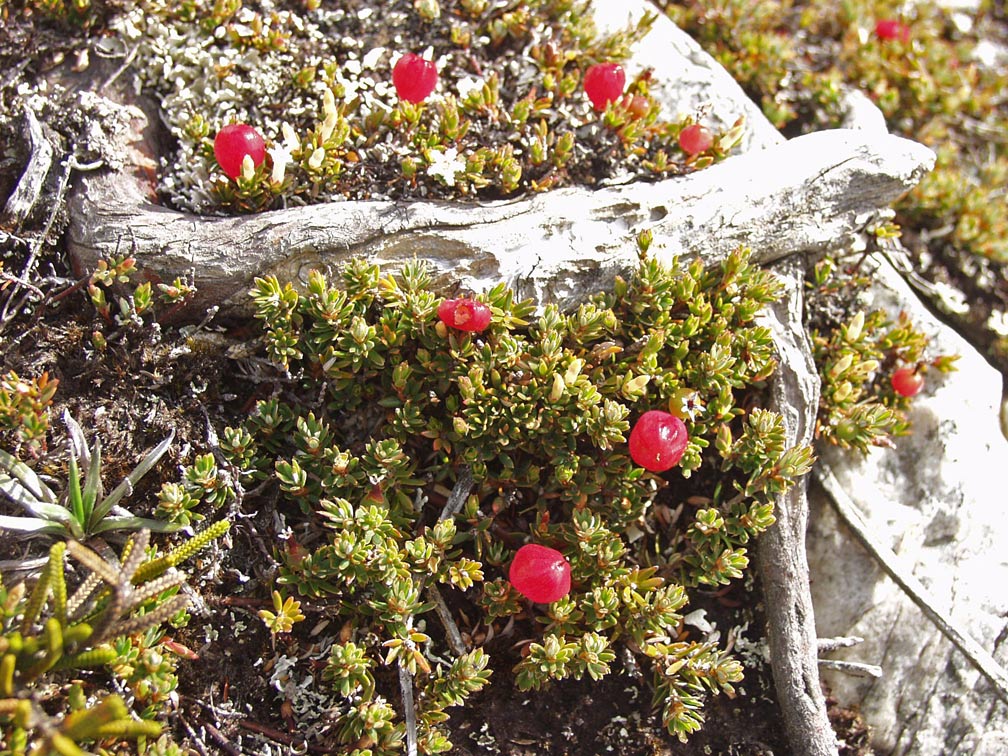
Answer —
906 381
603 83
414 77
890 28
233 143
695 139
540 573
658 440
464 314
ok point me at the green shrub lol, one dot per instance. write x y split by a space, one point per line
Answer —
524 427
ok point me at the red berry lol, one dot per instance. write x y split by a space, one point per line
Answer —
414 77
658 440
540 573
637 105
906 381
695 139
464 314
603 83
890 28
233 143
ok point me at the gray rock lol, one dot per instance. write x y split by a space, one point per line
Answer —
938 500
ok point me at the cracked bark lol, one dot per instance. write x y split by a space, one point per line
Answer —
781 557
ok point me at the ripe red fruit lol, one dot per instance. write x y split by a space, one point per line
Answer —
540 573
890 28
658 440
414 77
464 314
233 143
695 139
603 83
906 381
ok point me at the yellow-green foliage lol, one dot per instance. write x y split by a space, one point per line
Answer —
109 624
24 406
857 357
536 410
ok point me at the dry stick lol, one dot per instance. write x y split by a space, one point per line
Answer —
912 587
70 166
29 188
409 709
441 609
857 669
783 565
832 644
455 501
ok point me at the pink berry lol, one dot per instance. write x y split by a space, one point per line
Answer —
464 314
890 28
695 139
906 381
414 77
603 83
658 440
540 573
233 143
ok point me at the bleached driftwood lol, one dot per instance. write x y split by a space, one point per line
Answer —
800 195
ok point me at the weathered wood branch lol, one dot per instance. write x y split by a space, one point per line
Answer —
29 187
781 558
800 195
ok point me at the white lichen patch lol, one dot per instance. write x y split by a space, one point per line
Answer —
276 69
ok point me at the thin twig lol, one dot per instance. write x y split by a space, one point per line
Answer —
455 501
856 669
409 709
451 629
832 644
458 494
280 737
911 586
218 737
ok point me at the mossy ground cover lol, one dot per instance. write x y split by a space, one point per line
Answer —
333 433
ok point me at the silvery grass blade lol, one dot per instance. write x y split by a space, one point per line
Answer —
92 493
82 501
126 486
78 444
32 525
15 475
134 523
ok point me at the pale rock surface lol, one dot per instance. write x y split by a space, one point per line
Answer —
938 500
